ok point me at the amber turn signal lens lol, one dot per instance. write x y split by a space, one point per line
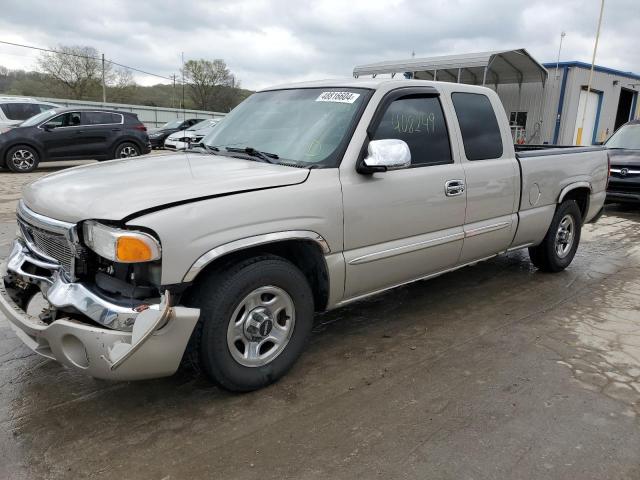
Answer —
132 249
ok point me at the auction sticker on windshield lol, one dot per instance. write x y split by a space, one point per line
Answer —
339 97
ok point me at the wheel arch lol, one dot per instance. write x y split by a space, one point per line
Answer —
580 192
305 249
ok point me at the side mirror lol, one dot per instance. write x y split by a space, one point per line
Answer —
383 155
48 128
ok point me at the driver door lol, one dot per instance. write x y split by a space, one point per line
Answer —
62 136
402 225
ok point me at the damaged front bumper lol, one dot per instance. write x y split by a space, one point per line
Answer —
153 348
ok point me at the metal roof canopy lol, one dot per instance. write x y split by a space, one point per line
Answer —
498 67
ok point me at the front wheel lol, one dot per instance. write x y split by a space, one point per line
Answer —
22 159
255 319
559 246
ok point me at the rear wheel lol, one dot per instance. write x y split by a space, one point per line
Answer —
255 319
127 150
559 246
22 159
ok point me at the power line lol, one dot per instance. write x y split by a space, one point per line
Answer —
85 56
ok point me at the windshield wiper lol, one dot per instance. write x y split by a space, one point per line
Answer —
263 156
208 148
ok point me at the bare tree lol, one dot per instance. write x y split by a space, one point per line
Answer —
204 80
76 69
122 87
77 72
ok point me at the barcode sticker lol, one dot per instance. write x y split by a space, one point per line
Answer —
338 97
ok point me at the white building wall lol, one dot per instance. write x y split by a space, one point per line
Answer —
542 109
602 82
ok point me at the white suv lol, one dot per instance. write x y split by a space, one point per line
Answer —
15 110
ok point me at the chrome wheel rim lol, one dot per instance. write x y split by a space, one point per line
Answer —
564 236
128 151
261 326
23 159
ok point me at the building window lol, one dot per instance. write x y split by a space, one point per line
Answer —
518 119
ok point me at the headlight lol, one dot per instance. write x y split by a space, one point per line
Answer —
124 246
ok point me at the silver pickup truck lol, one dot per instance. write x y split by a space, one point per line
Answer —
304 198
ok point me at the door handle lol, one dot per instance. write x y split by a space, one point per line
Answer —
79 132
453 188
116 129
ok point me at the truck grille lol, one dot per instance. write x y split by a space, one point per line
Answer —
49 244
627 187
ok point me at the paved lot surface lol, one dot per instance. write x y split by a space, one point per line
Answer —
492 372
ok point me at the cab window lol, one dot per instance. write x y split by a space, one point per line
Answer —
478 125
419 121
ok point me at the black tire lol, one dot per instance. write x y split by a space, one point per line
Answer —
546 256
22 159
126 150
219 296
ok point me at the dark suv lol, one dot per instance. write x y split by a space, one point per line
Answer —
624 154
159 135
72 134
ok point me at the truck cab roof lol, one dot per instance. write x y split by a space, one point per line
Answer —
380 84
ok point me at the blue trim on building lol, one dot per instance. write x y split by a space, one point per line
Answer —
594 136
596 68
565 74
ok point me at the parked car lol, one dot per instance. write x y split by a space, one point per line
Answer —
159 135
624 152
71 134
183 139
305 198
15 110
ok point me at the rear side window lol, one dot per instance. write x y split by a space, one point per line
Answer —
20 111
418 121
100 118
479 126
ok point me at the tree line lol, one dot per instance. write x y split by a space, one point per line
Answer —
75 72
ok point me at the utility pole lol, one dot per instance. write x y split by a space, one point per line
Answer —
593 61
184 114
562 35
104 88
173 92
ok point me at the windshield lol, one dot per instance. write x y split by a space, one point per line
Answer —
36 119
204 124
172 124
627 137
305 126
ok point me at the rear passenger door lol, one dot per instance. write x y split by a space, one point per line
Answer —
401 225
99 132
492 176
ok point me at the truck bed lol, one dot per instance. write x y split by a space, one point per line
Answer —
545 173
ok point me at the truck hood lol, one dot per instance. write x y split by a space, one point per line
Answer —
624 157
121 188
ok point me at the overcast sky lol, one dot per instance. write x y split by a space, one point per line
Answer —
270 42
